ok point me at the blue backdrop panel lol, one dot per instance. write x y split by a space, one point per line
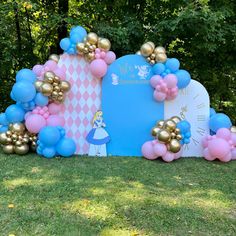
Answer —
129 109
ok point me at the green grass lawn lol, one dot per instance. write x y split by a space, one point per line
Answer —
116 196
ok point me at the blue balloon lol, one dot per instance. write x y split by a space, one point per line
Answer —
12 96
76 38
49 136
26 75
78 30
183 77
172 64
49 152
41 100
15 113
184 126
3 119
65 44
27 106
212 112
218 121
66 147
3 129
23 91
71 51
158 68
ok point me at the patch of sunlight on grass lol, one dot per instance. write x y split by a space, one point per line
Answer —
130 195
89 209
97 191
119 232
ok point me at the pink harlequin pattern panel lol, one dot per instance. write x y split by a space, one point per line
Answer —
83 100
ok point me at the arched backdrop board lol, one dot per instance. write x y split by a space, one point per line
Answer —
129 109
83 100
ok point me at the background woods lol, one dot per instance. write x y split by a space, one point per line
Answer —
200 33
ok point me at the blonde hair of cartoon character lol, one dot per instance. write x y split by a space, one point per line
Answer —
98 113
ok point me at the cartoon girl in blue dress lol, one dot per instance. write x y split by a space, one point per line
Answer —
98 137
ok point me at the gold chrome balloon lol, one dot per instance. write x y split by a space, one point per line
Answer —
161 57
159 50
49 74
160 123
164 136
80 48
56 79
92 38
8 133
173 135
153 56
176 119
46 89
3 138
174 146
170 125
91 56
65 86
155 131
21 150
54 57
233 129
177 131
38 85
152 44
8 149
152 62
18 143
178 137
104 44
146 49
18 128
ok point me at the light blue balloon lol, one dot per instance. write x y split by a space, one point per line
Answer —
76 38
183 77
212 112
27 106
158 68
26 75
78 30
172 64
3 119
66 147
49 152
3 129
41 100
15 113
218 121
71 51
49 136
12 96
184 126
65 44
23 91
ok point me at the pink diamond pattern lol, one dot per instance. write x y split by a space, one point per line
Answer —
83 100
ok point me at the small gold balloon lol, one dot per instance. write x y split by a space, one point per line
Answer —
18 143
87 44
161 57
174 146
148 59
91 56
3 138
152 44
104 44
49 74
176 119
177 131
25 140
9 140
86 50
152 62
92 38
8 149
80 47
18 128
38 85
159 49
54 57
65 86
49 80
21 150
178 137
56 79
146 49
8 133
54 94
155 131
170 125
20 137
60 94
153 56
14 136
56 88
46 89
138 53
173 135
233 129
164 136
160 123
91 48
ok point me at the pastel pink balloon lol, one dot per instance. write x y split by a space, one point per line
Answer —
179 154
160 149
207 155
218 148
37 69
148 151
159 96
226 158
102 55
224 133
97 50
110 57
154 80
98 68
233 154
233 138
54 108
34 123
50 65
168 157
205 142
97 56
55 120
171 80
60 73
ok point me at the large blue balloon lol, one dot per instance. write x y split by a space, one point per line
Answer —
76 38
49 152
26 75
212 112
15 113
66 147
65 44
23 91
49 136
158 68
183 77
78 30
3 129
172 64
218 121
41 100
3 119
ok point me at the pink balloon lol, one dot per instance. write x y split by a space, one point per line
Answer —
160 149
179 154
54 108
233 138
218 148
159 96
55 120
233 154
34 123
168 157
60 73
98 68
37 69
154 80
171 80
110 57
224 133
226 158
205 142
148 152
50 65
102 55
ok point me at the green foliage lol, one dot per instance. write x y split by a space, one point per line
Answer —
200 33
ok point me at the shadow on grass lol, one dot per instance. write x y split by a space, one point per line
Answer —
116 196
